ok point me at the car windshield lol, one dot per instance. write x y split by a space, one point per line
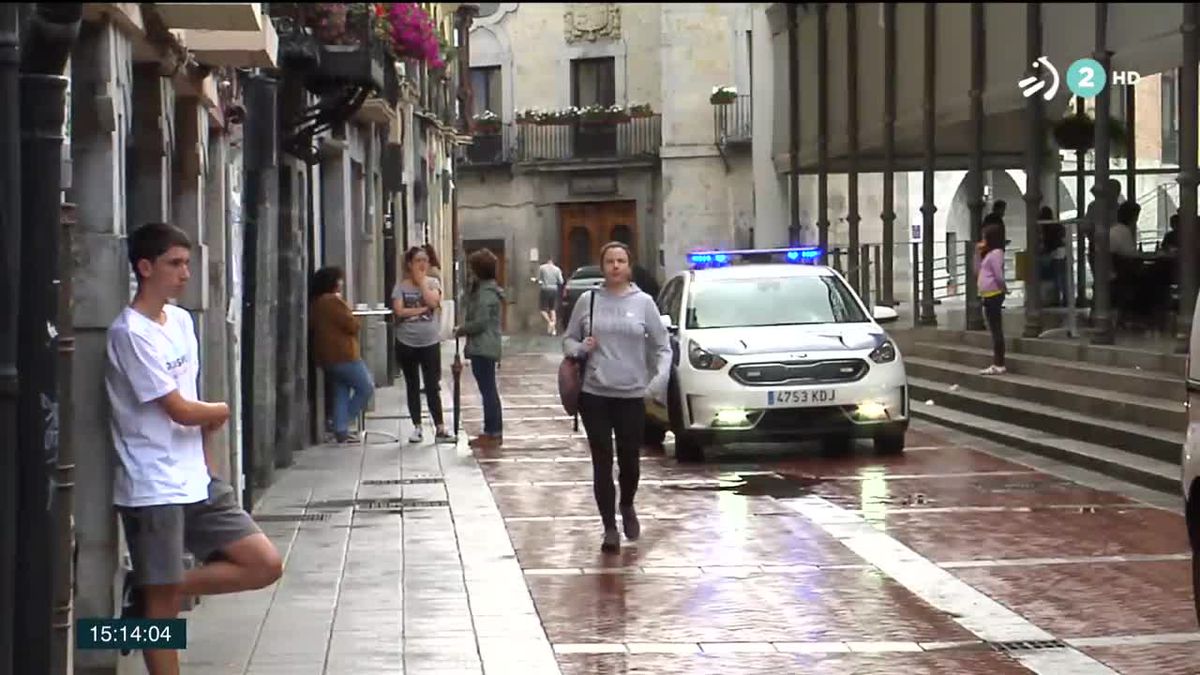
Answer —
587 273
775 301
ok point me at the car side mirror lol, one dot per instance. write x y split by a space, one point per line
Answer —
885 315
667 323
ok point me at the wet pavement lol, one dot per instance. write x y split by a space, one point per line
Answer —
730 577
957 557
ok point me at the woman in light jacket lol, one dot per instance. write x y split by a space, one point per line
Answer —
992 290
484 304
624 339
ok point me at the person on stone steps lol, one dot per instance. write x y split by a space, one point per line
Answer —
992 290
628 358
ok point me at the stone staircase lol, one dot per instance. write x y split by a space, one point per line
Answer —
1115 410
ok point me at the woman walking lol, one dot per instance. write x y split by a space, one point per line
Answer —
335 349
992 290
617 328
416 302
483 304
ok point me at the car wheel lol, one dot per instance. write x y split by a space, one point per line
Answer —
889 444
688 449
654 435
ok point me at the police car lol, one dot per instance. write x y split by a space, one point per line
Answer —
771 346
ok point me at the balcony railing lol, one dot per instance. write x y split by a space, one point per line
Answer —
733 122
637 137
490 149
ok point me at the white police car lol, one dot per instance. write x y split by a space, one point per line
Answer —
1190 464
770 346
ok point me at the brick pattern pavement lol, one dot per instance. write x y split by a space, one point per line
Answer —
735 572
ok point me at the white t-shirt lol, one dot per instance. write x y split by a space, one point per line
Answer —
161 462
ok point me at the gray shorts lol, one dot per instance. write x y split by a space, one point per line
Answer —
158 535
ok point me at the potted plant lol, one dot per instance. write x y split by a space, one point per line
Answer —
486 123
1077 132
641 110
723 95
350 51
413 34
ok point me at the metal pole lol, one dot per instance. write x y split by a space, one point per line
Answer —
928 207
974 318
1189 176
10 277
889 154
1080 203
1033 170
822 127
794 124
1101 312
852 216
43 103
64 471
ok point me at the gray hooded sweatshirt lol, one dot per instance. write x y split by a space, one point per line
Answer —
632 358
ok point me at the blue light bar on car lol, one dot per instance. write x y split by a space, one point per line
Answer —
806 255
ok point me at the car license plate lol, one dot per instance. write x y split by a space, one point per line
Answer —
801 397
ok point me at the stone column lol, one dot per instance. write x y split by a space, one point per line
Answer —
1102 297
889 155
1189 176
852 215
823 129
1034 142
928 207
975 199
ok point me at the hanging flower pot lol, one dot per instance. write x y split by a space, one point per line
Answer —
1077 133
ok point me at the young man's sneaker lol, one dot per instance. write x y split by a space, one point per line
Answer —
416 436
994 370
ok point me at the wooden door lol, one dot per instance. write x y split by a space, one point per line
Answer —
585 227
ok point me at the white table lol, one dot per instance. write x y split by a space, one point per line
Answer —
362 415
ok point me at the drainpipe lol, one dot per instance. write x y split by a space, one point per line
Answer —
1189 175
1034 169
793 125
47 43
1101 285
823 130
974 319
10 276
852 213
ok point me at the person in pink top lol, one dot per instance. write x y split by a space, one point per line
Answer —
992 291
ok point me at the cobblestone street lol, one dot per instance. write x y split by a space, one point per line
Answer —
957 557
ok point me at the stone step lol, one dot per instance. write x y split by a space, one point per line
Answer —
1134 438
1113 357
1042 390
1135 468
1103 378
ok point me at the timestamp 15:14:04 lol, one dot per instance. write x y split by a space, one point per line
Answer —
131 634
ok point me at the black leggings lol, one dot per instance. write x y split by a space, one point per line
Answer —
417 363
995 323
604 417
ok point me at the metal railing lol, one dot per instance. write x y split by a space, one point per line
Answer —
734 122
491 149
637 137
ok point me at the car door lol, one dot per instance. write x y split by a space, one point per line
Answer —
669 303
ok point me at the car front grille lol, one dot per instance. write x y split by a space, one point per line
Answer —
805 419
799 372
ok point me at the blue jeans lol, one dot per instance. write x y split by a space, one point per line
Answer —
484 371
347 377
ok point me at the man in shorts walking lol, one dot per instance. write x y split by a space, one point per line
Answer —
550 279
165 487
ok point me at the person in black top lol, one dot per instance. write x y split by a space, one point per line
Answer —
1170 242
1054 254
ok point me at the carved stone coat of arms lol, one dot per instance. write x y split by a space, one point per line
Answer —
592 21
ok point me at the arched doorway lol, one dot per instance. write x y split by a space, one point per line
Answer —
624 234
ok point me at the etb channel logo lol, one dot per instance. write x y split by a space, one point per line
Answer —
1086 78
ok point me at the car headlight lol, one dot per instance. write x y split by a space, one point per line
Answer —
703 360
884 353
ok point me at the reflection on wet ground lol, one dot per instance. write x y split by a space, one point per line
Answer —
733 574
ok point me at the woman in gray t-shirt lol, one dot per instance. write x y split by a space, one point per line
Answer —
417 301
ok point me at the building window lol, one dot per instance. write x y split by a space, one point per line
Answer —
485 85
593 81
1170 117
